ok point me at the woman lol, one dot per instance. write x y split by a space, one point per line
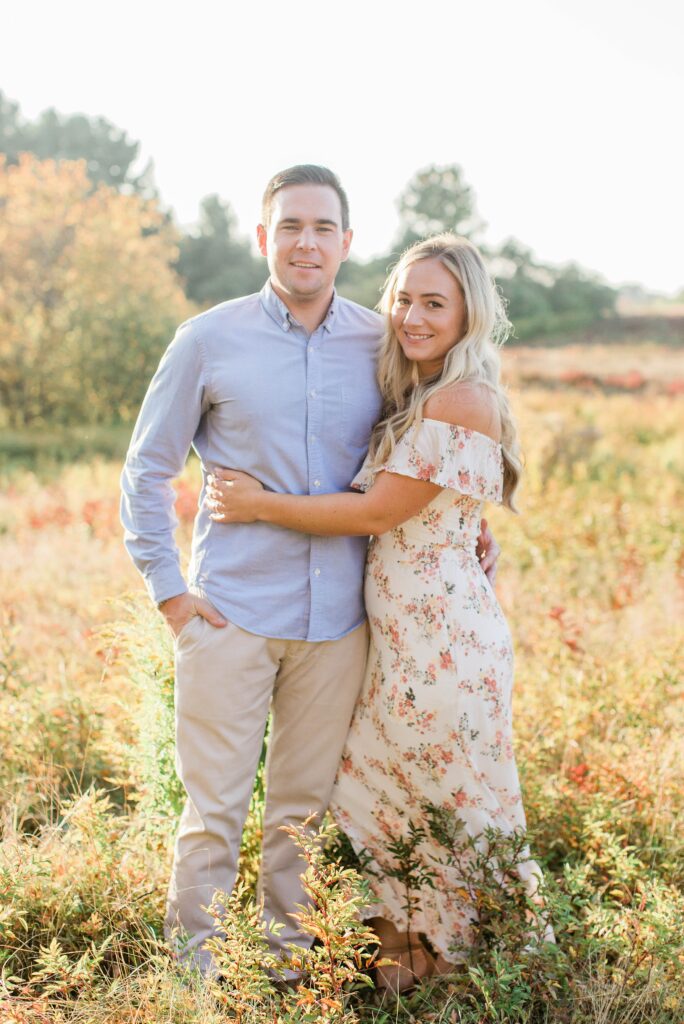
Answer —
431 734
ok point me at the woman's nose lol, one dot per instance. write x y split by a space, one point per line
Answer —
413 315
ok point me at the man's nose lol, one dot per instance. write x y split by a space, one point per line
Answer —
307 239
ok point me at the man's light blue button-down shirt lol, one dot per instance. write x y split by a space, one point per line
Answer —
250 389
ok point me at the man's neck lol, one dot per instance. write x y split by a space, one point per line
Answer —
310 314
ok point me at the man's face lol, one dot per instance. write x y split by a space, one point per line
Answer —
304 242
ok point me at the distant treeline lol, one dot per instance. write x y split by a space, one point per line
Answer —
95 274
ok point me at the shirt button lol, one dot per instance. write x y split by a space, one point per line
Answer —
311 349
312 437
317 483
317 572
312 393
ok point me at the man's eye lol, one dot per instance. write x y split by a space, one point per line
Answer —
324 230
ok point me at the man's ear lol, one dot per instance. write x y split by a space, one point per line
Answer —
261 239
346 243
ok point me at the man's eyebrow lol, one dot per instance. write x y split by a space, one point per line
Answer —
297 220
426 295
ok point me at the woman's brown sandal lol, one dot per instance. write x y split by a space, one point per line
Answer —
412 962
444 966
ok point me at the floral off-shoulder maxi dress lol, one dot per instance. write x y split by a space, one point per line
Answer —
433 722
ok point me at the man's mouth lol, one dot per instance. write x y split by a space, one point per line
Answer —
305 266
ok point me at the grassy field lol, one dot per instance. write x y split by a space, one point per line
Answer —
592 580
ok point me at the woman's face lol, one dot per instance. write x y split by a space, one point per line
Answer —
428 314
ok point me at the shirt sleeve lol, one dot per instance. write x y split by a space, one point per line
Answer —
169 418
445 454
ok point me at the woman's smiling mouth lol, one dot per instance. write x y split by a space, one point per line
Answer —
416 337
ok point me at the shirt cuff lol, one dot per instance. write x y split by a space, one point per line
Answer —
164 585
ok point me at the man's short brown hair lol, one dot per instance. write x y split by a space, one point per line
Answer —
303 174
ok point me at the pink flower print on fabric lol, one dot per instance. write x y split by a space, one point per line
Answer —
433 722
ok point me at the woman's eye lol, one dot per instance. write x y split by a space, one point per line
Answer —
434 305
401 302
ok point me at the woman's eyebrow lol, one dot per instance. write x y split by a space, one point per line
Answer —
426 295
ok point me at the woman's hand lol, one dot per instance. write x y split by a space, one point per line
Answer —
488 552
232 496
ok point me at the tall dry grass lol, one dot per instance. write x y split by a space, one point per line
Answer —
592 580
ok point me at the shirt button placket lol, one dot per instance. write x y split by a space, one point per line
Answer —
314 390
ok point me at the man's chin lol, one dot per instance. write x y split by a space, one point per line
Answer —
308 291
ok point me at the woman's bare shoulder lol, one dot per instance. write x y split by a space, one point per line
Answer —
468 404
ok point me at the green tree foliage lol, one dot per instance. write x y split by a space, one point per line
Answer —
108 152
363 282
545 300
542 300
215 264
437 199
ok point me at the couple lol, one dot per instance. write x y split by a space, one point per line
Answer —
287 387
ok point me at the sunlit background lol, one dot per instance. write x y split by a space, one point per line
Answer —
550 133
565 116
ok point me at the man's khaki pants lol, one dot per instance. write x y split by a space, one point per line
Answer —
226 681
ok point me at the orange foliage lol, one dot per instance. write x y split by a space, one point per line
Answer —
88 296
187 496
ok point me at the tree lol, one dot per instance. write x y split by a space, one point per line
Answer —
437 199
88 300
578 291
214 264
363 282
11 128
542 299
107 150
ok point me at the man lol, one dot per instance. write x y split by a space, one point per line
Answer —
282 385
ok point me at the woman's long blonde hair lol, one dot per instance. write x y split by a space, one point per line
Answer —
474 358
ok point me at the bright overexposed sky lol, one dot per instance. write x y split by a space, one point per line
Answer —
565 115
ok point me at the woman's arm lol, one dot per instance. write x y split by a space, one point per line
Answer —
238 498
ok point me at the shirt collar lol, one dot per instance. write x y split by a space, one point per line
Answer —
278 311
